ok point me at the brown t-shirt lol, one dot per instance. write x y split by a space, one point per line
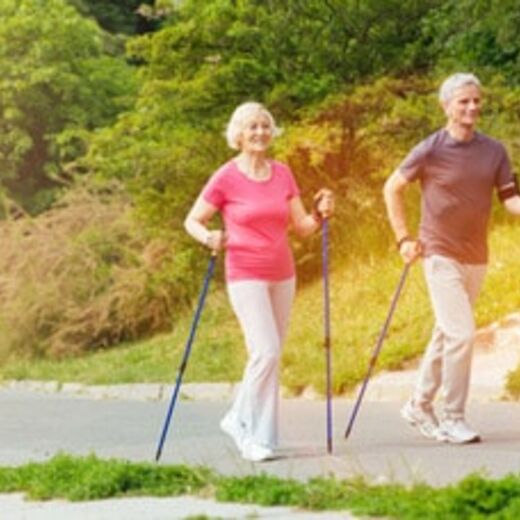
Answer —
457 181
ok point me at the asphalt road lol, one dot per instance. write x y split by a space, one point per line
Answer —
35 426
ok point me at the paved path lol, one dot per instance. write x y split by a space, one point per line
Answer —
35 426
118 422
14 507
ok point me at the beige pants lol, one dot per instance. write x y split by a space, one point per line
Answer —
263 309
453 289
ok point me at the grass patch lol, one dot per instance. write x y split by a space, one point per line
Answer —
217 355
513 383
90 478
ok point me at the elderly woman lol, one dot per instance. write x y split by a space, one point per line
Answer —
258 199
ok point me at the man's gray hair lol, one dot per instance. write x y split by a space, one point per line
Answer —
454 82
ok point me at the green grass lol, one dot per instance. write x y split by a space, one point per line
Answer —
91 478
217 355
360 296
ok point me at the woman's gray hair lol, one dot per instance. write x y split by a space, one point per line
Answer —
454 82
238 120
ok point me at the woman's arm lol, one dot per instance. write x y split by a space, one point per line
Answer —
307 223
304 223
196 224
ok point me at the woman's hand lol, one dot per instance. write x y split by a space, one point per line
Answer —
324 203
215 240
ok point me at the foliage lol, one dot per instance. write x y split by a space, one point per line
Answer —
91 478
350 142
81 276
479 35
56 82
345 78
218 354
513 383
117 16
261 489
211 56
287 54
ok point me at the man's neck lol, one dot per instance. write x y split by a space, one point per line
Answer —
460 132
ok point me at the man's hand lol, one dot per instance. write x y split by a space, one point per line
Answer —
410 250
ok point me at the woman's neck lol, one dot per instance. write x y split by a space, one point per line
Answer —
255 166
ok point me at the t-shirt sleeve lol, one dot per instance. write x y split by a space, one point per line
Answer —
412 166
292 186
505 180
214 191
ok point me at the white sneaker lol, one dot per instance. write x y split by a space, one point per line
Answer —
426 422
457 431
233 429
256 452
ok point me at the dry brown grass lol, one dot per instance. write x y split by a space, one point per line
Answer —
80 276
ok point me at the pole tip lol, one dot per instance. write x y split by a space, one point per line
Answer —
329 449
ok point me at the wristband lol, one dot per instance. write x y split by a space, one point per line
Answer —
401 241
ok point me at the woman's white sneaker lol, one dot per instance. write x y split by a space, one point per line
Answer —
457 431
232 428
256 452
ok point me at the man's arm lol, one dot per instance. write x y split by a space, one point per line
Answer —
393 192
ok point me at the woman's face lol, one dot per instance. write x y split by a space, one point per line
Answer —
257 133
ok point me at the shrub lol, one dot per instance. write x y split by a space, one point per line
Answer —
82 276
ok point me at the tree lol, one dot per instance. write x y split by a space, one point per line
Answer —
118 16
56 80
480 35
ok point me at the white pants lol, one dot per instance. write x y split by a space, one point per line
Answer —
453 289
263 309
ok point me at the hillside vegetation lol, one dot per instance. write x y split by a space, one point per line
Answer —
111 123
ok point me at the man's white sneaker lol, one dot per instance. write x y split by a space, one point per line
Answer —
426 422
232 428
457 431
256 452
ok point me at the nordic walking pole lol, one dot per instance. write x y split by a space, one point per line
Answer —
187 350
377 348
326 323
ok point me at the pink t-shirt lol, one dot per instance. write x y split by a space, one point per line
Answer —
256 218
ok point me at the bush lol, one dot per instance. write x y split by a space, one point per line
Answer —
82 276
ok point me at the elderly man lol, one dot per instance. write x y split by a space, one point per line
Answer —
458 168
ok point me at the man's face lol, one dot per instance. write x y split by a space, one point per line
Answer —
463 109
